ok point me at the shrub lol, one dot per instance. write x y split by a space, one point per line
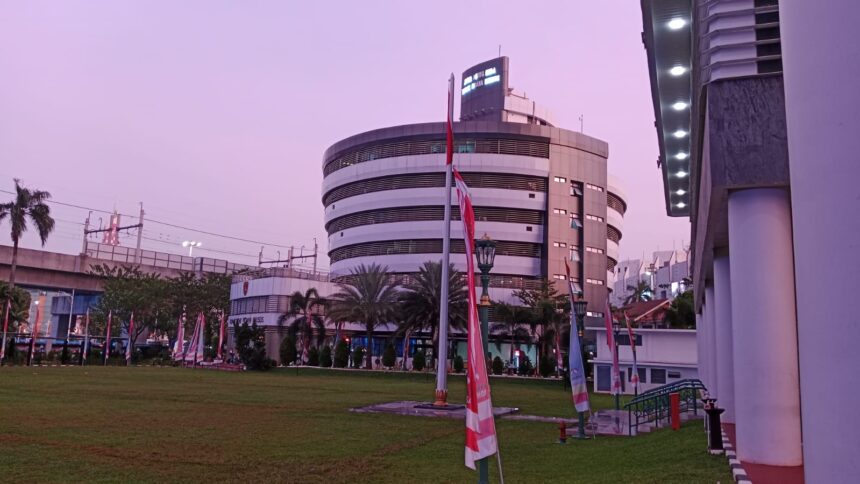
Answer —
546 366
526 368
288 351
498 366
458 364
341 354
357 356
313 356
325 357
389 356
64 355
419 361
251 346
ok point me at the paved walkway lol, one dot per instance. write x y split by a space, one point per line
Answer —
762 474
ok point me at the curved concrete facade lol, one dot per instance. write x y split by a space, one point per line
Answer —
383 195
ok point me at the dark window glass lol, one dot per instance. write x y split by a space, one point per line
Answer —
674 374
658 375
603 378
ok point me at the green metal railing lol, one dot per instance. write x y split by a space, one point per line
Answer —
653 405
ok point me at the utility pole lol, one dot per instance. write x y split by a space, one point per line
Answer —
137 255
316 247
86 231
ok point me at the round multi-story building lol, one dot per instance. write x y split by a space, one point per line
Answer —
541 192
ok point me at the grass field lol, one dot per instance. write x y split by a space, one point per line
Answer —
178 425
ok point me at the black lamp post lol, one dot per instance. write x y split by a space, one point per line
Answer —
580 307
485 252
616 329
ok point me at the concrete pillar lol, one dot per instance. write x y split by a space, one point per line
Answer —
711 349
700 347
764 328
723 329
820 48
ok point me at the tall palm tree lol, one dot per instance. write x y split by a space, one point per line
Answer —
302 309
368 298
639 292
510 325
27 205
420 301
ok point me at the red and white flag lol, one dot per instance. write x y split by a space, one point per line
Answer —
615 388
179 345
480 425
130 340
634 377
86 338
5 327
221 337
107 337
197 341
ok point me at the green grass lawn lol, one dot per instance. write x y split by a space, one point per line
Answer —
177 425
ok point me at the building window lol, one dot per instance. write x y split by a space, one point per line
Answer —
594 187
560 277
559 211
674 374
595 218
575 189
594 250
594 281
603 378
642 372
624 340
560 179
574 255
559 244
575 223
594 314
466 147
658 375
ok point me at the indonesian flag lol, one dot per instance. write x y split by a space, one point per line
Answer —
610 340
198 345
578 387
86 337
634 378
221 337
480 425
559 359
130 340
107 337
449 129
179 346
35 334
5 327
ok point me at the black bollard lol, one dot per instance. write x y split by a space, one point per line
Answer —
715 436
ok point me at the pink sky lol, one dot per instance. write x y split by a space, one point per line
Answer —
216 114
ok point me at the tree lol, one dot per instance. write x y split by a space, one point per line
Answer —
251 346
640 292
341 355
510 320
681 313
27 205
325 357
305 320
20 307
368 299
550 314
418 361
421 297
389 356
288 351
313 356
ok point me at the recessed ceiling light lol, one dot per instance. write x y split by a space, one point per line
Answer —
679 134
677 70
680 204
677 23
679 106
681 156
681 174
680 191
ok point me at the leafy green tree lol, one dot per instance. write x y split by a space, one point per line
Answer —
498 366
421 298
341 354
288 351
20 307
304 319
511 320
27 206
313 356
389 356
368 299
458 364
640 292
251 346
357 355
681 313
550 311
546 366
419 361
325 357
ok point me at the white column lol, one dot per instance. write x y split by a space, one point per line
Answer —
764 328
700 347
723 329
821 48
711 349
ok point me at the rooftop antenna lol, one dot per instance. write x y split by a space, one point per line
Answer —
500 50
581 123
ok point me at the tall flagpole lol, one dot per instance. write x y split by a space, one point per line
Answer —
442 360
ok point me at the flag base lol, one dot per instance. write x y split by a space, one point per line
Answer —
441 398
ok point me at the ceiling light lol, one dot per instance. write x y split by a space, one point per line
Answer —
679 106
681 174
677 23
680 191
680 204
679 134
677 70
681 156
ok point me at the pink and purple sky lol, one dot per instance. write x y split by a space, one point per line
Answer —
215 114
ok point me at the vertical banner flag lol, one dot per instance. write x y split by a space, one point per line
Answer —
198 345
613 348
188 354
5 327
34 334
221 338
480 425
559 358
634 378
578 386
130 339
179 346
86 338
107 337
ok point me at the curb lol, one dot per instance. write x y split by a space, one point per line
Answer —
735 465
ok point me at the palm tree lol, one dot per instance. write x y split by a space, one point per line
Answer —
547 307
28 204
368 298
302 309
639 292
510 320
420 301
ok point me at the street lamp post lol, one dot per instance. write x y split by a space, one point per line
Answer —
485 252
616 329
579 309
191 244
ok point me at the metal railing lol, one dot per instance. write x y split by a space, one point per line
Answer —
654 406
